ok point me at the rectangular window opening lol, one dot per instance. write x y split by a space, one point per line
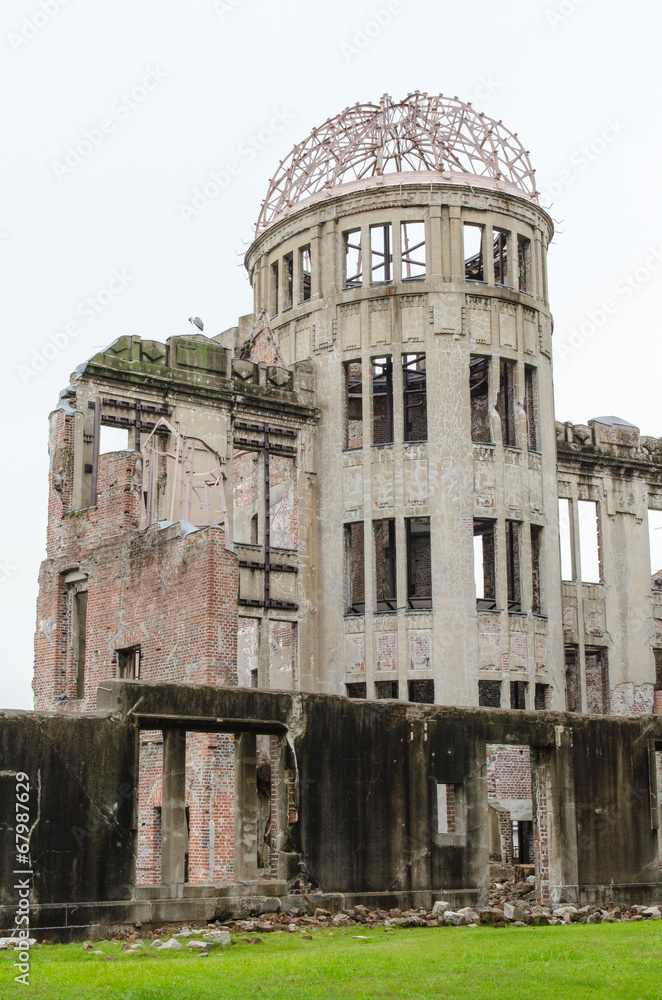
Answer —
565 536
479 387
273 289
75 594
354 568
353 259
531 406
128 663
473 252
386 690
655 547
513 565
288 280
589 541
414 376
597 681
500 257
305 274
357 690
542 697
489 694
657 653
353 379
382 400
413 251
381 252
419 565
485 564
506 403
572 686
536 575
518 695
451 809
112 439
385 565
421 692
524 263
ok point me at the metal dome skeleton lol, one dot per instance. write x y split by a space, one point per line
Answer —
442 138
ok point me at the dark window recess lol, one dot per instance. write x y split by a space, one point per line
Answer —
128 663
353 379
353 259
485 564
500 257
489 694
413 251
658 669
305 273
288 280
597 681
359 690
385 565
542 697
79 630
254 678
382 400
513 565
572 693
474 269
506 403
524 263
386 689
479 385
381 252
518 695
523 842
273 290
355 568
421 691
419 564
536 577
414 377
254 529
531 406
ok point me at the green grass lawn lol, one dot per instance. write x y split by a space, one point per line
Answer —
550 963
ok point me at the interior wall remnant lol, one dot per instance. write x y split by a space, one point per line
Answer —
485 563
415 397
506 403
536 569
421 690
543 697
382 400
500 256
489 694
248 638
513 565
386 689
359 689
353 404
283 655
419 562
385 565
524 263
572 685
518 691
479 382
245 496
531 406
354 568
597 680
283 503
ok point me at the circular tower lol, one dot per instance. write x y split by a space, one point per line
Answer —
401 248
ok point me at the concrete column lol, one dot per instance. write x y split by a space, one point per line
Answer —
433 251
488 253
554 802
245 807
174 832
421 828
457 243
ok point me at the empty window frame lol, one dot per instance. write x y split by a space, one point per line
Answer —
489 694
485 564
657 653
542 697
589 541
572 685
531 406
353 253
597 680
353 404
421 691
381 252
382 400
357 690
500 247
474 269
305 274
506 403
514 564
479 387
655 545
451 809
385 565
288 280
565 536
536 569
354 568
76 631
413 251
414 378
274 287
128 663
419 564
386 689
524 263
518 695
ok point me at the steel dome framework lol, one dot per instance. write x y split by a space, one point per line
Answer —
419 135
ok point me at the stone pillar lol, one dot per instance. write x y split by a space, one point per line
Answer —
555 820
245 807
420 826
174 832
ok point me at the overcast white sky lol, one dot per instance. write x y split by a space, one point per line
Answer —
563 74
